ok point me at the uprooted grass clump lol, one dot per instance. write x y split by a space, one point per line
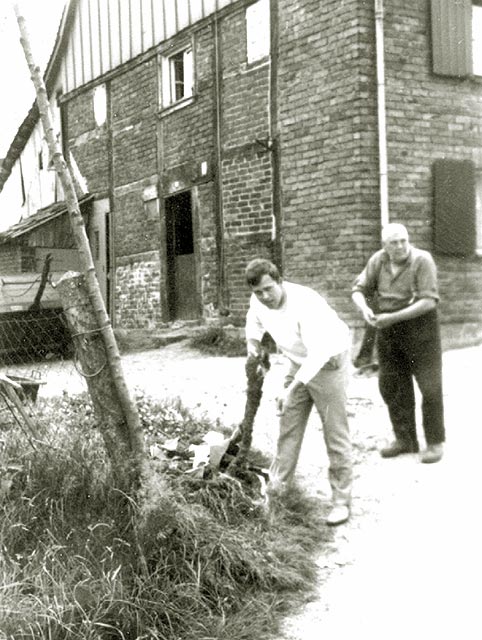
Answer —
217 341
224 341
186 558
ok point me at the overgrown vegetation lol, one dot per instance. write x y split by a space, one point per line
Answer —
222 341
196 559
217 341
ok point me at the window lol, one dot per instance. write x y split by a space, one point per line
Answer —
177 72
457 37
257 31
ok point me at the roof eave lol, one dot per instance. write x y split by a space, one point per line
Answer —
25 130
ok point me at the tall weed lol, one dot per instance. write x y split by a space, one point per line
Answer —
190 559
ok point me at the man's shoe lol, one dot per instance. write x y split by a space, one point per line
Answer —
397 448
338 515
433 453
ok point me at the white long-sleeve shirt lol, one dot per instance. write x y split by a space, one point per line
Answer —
305 328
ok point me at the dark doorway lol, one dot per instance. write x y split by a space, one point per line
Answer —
182 296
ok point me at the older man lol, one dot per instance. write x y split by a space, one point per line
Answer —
315 341
408 339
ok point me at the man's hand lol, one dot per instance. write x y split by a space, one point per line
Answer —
384 320
253 348
283 397
369 317
280 403
359 299
414 310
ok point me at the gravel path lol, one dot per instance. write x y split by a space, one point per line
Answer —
408 564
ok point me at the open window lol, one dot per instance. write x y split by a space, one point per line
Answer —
177 76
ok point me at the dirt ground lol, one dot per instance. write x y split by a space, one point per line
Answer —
409 561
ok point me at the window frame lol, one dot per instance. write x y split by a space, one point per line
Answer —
170 80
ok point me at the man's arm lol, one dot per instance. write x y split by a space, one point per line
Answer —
365 285
254 331
418 308
360 301
253 347
282 398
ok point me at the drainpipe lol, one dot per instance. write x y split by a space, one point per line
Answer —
111 254
222 294
273 114
381 114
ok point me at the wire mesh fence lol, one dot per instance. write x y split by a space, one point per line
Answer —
37 356
33 336
36 353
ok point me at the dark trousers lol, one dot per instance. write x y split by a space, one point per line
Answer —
366 354
409 350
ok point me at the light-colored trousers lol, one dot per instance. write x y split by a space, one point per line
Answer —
327 391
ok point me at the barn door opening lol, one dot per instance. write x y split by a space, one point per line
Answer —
182 295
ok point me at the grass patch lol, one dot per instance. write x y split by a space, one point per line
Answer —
220 341
217 341
196 560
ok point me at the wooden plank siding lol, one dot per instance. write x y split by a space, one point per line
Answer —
17 292
452 37
108 33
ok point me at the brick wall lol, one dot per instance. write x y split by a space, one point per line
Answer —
327 97
429 117
10 259
329 153
328 144
189 137
134 123
136 234
246 166
131 132
87 142
137 292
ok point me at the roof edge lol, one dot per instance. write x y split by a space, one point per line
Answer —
41 217
18 144
25 130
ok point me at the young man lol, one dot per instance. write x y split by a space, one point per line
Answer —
408 339
315 341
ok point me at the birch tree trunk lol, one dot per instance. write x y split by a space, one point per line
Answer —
129 408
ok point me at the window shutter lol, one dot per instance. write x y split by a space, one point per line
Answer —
454 204
452 37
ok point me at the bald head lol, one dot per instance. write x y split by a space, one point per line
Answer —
395 242
394 229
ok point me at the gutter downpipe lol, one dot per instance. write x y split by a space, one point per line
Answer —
381 114
222 293
273 116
